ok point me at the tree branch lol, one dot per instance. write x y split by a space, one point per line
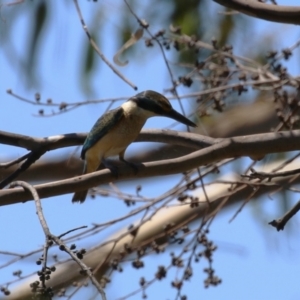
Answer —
41 146
280 223
49 238
96 48
273 13
187 139
101 256
255 146
269 176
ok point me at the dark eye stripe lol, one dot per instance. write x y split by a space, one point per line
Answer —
167 106
152 101
148 104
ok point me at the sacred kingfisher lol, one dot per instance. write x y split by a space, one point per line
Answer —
117 128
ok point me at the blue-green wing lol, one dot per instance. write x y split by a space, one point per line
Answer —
103 125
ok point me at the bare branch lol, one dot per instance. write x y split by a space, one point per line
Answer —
152 229
32 157
41 146
96 48
190 140
14 161
49 238
145 25
257 9
252 145
280 223
269 176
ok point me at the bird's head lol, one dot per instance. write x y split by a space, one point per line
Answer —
158 105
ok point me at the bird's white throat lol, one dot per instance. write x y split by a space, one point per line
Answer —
131 108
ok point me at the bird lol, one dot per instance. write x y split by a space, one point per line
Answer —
116 129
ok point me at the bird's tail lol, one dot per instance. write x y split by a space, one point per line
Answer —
80 195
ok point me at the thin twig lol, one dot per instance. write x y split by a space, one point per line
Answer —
145 26
262 175
96 48
69 231
280 223
286 162
83 266
31 157
50 237
15 161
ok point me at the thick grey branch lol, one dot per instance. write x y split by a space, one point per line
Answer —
40 146
150 230
255 146
187 139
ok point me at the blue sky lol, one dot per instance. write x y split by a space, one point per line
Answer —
253 260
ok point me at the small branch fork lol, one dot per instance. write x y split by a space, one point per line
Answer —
281 222
50 238
37 146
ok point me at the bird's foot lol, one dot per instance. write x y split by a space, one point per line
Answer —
113 168
134 166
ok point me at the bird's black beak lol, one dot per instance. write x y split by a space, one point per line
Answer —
173 114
